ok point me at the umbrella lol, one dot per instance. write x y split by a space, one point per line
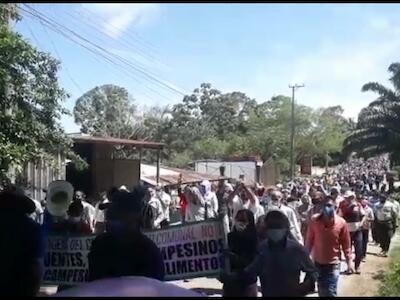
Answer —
129 286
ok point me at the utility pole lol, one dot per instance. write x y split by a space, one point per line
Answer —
8 11
293 87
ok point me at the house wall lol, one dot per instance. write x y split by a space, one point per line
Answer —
233 169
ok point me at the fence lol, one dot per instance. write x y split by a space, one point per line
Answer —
36 176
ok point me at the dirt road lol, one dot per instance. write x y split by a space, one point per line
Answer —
372 272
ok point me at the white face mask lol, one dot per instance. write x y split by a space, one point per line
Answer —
275 203
276 235
240 226
75 219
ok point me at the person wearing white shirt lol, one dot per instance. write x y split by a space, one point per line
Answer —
211 199
276 204
88 209
165 200
196 205
157 210
243 198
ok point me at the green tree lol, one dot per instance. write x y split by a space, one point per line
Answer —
108 110
30 104
378 126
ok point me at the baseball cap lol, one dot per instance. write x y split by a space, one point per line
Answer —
349 194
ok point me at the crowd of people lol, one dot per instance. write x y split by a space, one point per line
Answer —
274 233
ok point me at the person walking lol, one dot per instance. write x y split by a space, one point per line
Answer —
243 198
157 212
366 226
196 209
328 233
353 213
88 210
211 199
279 262
386 222
224 189
165 200
276 204
242 243
303 211
124 250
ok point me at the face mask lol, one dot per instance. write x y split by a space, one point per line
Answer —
114 226
275 203
276 235
75 219
328 211
240 226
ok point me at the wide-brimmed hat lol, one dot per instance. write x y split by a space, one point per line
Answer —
14 200
56 205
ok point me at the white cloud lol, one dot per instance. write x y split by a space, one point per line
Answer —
120 16
333 72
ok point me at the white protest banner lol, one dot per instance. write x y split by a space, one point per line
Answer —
190 250
65 260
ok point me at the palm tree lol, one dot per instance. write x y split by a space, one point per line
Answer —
378 127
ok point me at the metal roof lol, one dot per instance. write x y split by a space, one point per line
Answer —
171 176
80 138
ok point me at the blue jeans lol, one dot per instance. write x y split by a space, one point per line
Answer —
357 241
328 276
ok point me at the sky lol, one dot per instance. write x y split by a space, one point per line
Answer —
259 49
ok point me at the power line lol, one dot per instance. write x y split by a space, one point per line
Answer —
134 36
122 38
108 35
96 52
144 73
59 57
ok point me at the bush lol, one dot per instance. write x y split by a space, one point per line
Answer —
391 282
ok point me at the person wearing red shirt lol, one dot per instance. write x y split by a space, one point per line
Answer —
353 212
182 204
327 233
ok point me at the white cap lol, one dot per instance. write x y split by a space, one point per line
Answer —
349 194
123 188
59 209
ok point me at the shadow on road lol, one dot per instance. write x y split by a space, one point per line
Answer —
208 291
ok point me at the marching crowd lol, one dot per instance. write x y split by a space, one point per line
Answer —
275 233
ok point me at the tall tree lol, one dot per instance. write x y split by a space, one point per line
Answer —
378 126
108 110
30 104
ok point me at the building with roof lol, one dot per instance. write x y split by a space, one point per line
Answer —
107 167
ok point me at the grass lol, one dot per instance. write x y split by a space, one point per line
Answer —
391 281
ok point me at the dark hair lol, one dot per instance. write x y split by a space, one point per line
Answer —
75 207
111 191
276 219
249 215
